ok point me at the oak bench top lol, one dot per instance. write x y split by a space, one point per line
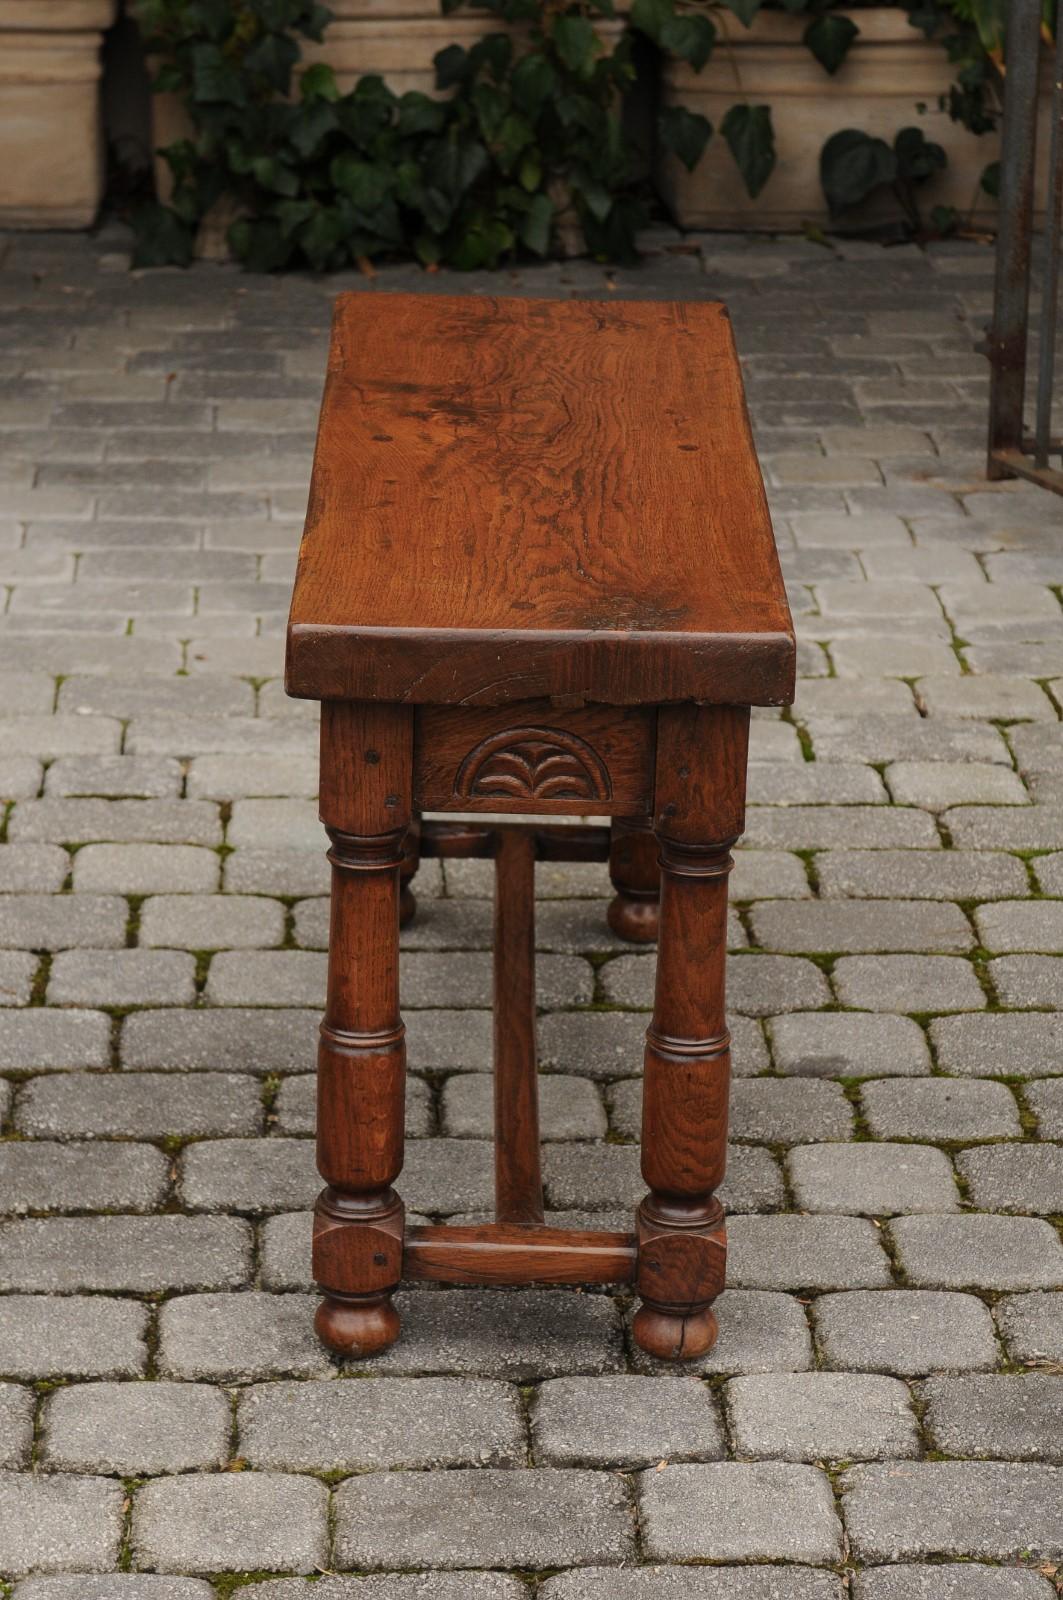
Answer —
514 499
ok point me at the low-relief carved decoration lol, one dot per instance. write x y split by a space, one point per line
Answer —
533 764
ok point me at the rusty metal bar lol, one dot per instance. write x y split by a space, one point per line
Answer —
1011 287
1014 451
1046 359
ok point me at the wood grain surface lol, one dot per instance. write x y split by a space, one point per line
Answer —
514 499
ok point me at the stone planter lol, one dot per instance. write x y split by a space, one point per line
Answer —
891 79
51 175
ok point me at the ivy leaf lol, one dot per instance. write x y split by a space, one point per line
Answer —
537 224
261 244
851 165
454 168
751 140
309 125
744 10
319 83
685 133
214 79
319 236
829 38
451 66
212 17
530 175
483 241
595 196
575 41
515 135
495 52
364 182
532 82
273 58
419 113
315 21
169 79
651 16
990 180
917 157
990 19
162 239
273 174
689 37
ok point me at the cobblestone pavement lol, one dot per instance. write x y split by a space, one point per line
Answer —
883 1415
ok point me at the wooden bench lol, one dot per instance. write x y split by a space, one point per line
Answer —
538 577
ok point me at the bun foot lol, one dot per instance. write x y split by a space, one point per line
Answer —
407 906
633 920
674 1337
357 1329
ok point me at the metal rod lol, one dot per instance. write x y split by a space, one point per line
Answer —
518 1175
1011 287
1046 360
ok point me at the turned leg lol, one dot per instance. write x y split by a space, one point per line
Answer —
366 754
636 877
682 1242
411 860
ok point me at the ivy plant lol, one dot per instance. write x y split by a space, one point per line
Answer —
321 178
523 131
854 165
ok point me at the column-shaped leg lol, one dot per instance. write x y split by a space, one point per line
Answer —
682 1242
366 756
636 877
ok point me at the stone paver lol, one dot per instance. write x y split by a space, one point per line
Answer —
908 983
1019 1178
58 1523
895 928
812 1416
541 1517
835 1044
951 1581
220 1522
80 1336
860 925
138 1254
43 1175
17 1406
1046 1102
1002 1510
1010 1418
389 1423
136 1429
998 1045
624 1421
145 1105
872 1179
981 1252
122 978
114 1586
1032 1326
940 1108
239 1337
693 1583
907 1331
730 1511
